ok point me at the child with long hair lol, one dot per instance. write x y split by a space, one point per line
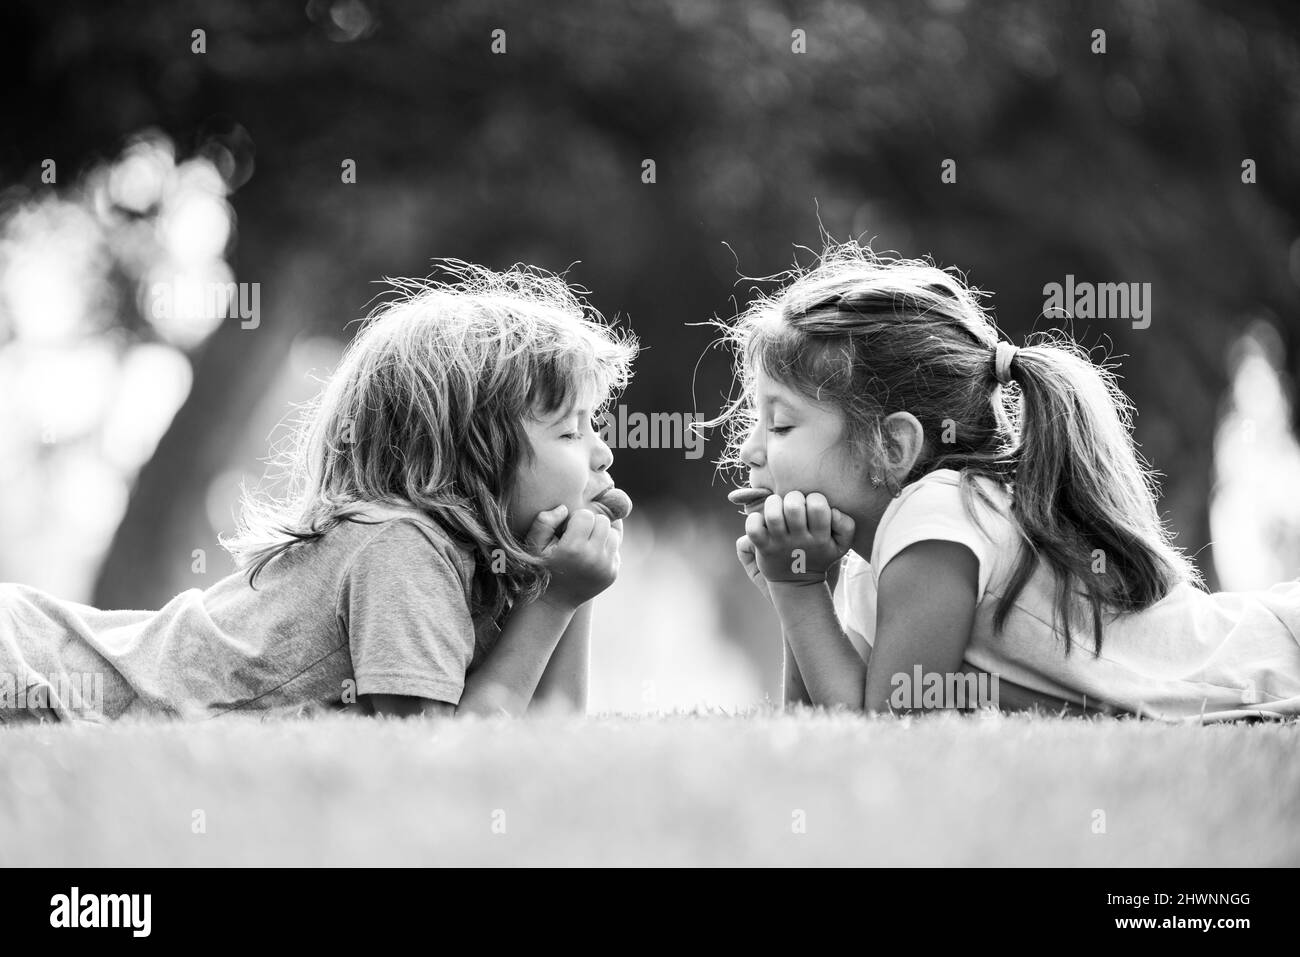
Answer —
940 518
447 517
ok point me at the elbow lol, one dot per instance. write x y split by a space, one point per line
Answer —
566 705
406 706
488 701
479 710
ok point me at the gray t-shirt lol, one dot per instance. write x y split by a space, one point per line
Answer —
366 609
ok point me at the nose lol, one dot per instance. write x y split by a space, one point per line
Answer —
752 452
602 457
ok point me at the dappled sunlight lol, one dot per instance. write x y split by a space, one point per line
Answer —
53 262
104 286
153 382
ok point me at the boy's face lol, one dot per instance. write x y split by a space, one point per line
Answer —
569 465
800 445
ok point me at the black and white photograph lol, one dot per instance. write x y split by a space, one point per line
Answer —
676 434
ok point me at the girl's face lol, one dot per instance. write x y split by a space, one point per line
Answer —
800 445
569 465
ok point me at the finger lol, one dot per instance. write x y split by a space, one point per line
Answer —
745 551
842 529
819 515
756 529
580 526
542 531
600 531
796 518
773 515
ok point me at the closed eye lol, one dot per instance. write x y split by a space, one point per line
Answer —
596 423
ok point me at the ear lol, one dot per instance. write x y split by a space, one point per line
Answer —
905 441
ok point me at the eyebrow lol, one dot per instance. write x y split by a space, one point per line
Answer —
778 400
567 414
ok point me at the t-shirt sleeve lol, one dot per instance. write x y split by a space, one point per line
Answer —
854 598
933 511
404 605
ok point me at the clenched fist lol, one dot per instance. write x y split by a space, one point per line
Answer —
583 560
794 539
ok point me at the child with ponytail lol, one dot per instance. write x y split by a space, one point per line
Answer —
941 519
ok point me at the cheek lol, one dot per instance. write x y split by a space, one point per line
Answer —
814 462
850 478
520 501
567 466
558 474
529 488
794 466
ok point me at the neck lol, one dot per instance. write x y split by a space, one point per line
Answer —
864 536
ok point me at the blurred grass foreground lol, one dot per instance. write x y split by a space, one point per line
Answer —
686 789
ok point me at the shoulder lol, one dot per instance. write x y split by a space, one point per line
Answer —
934 495
950 485
944 505
402 537
949 494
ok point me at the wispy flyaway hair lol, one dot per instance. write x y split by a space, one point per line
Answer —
426 409
875 335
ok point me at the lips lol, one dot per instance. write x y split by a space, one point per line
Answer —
615 503
751 499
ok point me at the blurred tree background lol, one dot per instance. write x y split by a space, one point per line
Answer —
130 429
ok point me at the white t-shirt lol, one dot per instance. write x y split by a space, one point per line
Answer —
1191 656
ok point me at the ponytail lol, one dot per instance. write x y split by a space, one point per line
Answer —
873 335
1083 496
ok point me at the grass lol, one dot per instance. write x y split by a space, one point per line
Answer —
679 789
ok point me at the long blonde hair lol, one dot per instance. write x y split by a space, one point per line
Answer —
426 409
875 335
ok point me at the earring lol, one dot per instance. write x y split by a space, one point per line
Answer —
875 481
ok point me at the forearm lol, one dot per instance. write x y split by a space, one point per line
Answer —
831 669
563 686
507 679
795 690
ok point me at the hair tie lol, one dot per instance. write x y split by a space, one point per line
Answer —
1003 355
